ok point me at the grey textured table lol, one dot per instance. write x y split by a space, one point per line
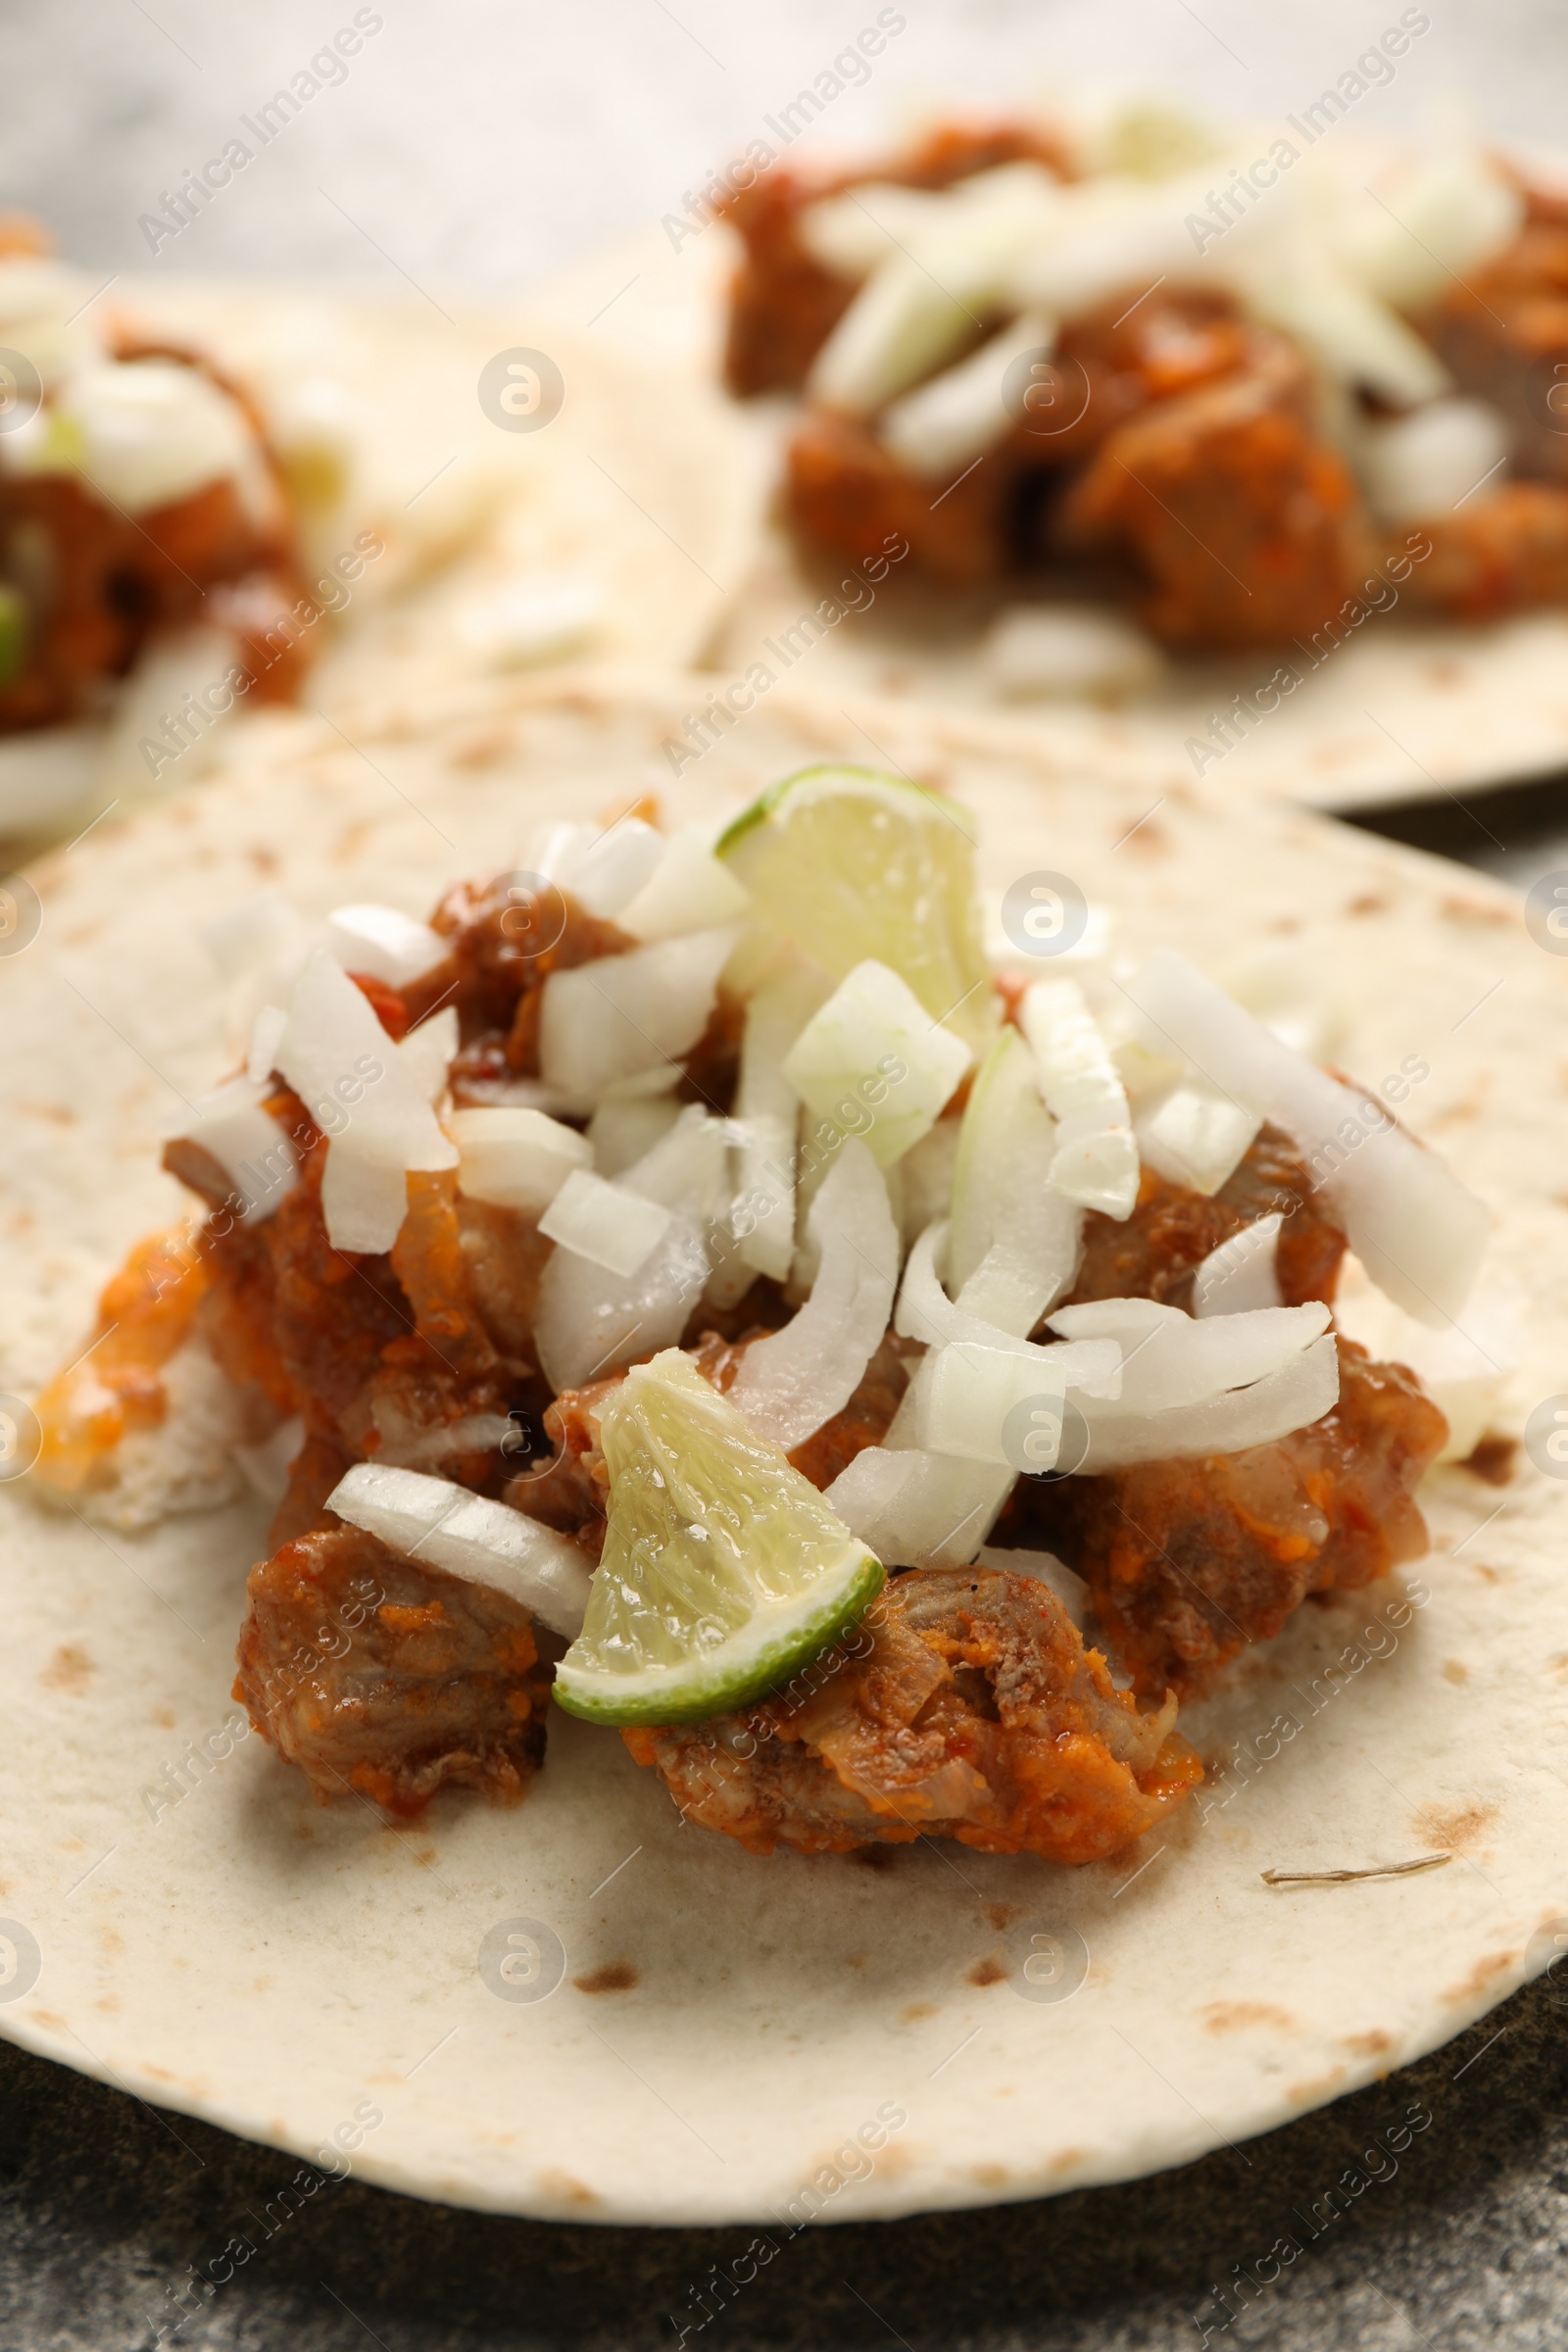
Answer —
485 145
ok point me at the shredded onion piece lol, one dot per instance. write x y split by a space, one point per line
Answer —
926 1312
767 1116
1301 1392
1417 1230
1170 1359
1097 1160
845 1062
946 422
1014 1243
1241 1273
484 1543
791 1381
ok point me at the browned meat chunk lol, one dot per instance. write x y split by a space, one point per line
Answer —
389 1357
849 493
1190 1561
1503 333
783 303
570 1492
1153 1252
377 1675
964 1706
97 584
1495 555
1244 525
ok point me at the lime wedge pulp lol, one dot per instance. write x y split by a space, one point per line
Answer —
723 1569
855 867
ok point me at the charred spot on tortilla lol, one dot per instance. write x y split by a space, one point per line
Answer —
1493 1457
615 1975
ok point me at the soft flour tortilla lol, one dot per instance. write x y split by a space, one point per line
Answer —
648 507
1400 710
251 1957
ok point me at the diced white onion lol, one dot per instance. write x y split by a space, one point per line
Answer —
851 234
1356 339
925 1313
588 1321
627 1126
927 1170
960 413
1299 1392
845 1063
1437 219
687 1169
970 1393
791 1381
603 869
604 1222
920 304
1241 1273
1044 1568
147 432
604 1022
1014 1243
345 1069
260 1057
1427 463
1417 1230
427 1052
1104 235
688 890
250 1146
1096 1161
1171 1360
917 1509
1196 1136
383 944
516 1158
482 1542
1070 653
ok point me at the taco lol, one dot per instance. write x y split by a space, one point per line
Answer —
822 1308
215 498
1249 432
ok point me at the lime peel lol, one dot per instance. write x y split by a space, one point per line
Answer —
723 1571
856 868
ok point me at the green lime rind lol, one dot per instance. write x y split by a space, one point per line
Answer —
856 779
723 1569
757 1659
858 867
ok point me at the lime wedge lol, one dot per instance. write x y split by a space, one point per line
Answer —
856 867
723 1569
